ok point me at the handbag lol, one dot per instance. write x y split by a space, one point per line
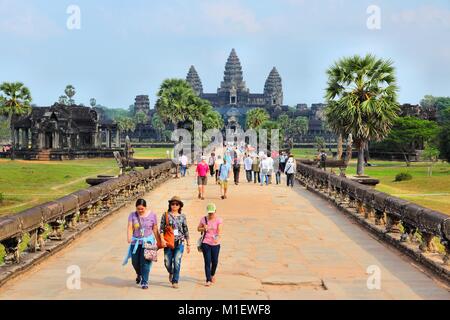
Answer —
169 236
150 252
150 249
200 240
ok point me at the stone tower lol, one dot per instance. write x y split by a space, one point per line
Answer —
142 104
194 80
273 89
233 78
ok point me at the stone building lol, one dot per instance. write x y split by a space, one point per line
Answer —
62 129
233 99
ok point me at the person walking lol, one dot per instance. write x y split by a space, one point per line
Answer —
217 164
142 228
224 175
290 170
172 256
255 169
202 179
236 167
183 164
211 161
248 162
283 159
211 228
264 167
323 159
280 170
271 167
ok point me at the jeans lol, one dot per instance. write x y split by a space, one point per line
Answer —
183 170
249 175
256 176
236 171
172 261
290 179
141 265
264 177
211 257
278 177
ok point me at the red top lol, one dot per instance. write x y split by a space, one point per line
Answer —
202 169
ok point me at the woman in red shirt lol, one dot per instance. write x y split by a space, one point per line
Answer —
202 180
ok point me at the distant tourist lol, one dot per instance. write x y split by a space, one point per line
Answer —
211 161
264 167
290 170
283 159
255 169
174 252
224 175
236 166
280 170
183 164
142 228
323 159
217 164
271 167
248 162
202 179
210 226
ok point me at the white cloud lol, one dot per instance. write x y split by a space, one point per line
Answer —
25 21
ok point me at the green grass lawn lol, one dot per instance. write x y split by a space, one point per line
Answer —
432 192
152 153
25 184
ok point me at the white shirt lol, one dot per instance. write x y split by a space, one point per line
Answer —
183 160
270 160
248 163
265 165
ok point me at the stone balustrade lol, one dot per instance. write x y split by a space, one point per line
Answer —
51 223
420 232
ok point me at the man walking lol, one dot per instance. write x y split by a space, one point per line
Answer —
248 162
290 170
183 164
224 175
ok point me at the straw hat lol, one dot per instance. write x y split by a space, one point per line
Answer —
177 199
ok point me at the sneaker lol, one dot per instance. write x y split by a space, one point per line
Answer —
208 284
175 285
202 198
144 286
138 279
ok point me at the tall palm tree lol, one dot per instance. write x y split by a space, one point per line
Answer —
70 92
15 102
362 100
256 117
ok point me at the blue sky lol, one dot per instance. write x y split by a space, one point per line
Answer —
126 48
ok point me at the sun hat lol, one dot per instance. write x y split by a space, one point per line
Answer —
203 158
177 199
211 208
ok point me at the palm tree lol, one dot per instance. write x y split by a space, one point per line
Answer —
362 100
158 125
16 102
256 117
70 92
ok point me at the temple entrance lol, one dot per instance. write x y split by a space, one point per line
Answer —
48 140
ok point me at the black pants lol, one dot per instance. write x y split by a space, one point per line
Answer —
256 177
211 257
236 171
290 179
249 175
211 170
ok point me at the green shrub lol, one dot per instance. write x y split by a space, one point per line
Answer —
2 198
403 176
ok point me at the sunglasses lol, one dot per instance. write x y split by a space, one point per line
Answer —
175 204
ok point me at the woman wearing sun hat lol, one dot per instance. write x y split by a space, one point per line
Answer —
211 227
177 220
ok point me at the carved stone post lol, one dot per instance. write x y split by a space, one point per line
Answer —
427 244
392 223
12 249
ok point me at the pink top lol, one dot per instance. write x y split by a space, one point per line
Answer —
202 169
213 230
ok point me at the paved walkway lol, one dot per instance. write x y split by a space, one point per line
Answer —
278 243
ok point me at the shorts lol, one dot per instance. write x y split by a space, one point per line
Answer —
224 183
202 181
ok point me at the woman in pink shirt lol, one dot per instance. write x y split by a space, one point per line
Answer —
210 227
202 179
